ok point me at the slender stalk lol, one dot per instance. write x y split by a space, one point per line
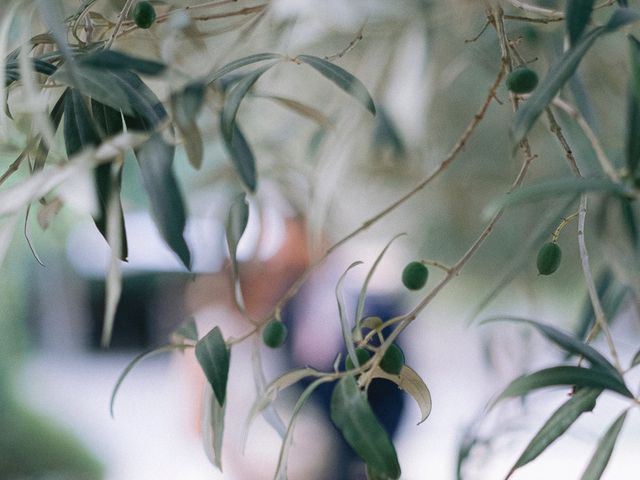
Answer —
123 14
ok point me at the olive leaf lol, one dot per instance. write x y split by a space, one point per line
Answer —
114 60
237 220
213 356
213 427
241 62
559 422
281 470
549 188
352 414
365 285
134 362
577 16
636 360
235 97
633 109
601 456
109 123
342 79
55 116
344 321
186 105
242 157
409 381
568 343
561 71
563 375
79 129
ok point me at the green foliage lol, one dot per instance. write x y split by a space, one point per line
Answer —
363 355
213 356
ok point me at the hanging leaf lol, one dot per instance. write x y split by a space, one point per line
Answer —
577 16
562 186
636 359
213 427
56 117
187 330
365 285
186 105
342 79
563 375
134 362
114 60
155 158
344 321
633 109
281 470
582 401
109 122
352 414
237 220
603 452
213 355
234 98
559 73
629 221
242 62
79 130
568 343
409 381
242 158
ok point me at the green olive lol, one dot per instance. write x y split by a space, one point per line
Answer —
522 80
274 334
144 14
362 354
392 360
549 258
415 275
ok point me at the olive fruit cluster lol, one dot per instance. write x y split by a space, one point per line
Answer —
144 15
392 361
522 80
549 258
274 334
415 275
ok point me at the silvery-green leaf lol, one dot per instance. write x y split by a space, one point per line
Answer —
409 381
242 62
342 79
603 452
213 356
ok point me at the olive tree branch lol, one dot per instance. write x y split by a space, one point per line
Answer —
349 47
121 16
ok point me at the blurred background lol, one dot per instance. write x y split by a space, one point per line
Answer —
318 180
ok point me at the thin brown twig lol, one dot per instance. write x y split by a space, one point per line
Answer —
349 47
555 128
121 16
521 18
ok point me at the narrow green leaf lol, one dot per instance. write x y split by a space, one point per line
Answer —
567 342
603 452
365 285
186 105
187 330
237 220
409 381
342 79
549 87
235 97
352 414
577 16
633 109
135 361
344 320
583 401
109 123
563 375
56 117
213 355
281 470
241 62
155 158
629 220
556 187
114 60
213 427
79 130
242 158
146 106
